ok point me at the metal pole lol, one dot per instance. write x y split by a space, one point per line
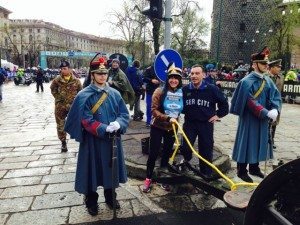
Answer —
219 31
144 45
168 24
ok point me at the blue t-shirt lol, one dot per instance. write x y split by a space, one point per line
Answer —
173 103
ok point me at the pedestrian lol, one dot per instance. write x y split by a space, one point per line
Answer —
64 88
256 101
3 76
118 80
135 78
167 104
97 111
152 82
39 79
278 79
200 100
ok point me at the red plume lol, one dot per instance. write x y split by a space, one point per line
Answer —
265 51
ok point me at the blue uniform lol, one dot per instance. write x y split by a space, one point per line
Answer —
251 143
93 167
199 105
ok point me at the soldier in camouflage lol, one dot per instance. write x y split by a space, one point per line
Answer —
64 88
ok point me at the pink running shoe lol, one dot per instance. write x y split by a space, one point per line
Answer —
147 184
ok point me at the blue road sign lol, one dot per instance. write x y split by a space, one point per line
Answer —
122 58
162 61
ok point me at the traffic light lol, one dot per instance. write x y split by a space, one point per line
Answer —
155 11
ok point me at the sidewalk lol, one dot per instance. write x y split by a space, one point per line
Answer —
37 181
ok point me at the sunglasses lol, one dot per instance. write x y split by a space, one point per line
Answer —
101 73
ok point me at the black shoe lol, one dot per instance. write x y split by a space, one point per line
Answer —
91 203
93 210
137 118
109 202
274 146
64 146
109 199
257 173
245 177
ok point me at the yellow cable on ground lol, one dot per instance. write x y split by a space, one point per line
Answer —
233 185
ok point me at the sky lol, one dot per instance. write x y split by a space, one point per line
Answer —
86 16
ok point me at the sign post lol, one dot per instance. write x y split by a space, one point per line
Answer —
162 61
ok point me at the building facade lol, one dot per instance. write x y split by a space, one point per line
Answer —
238 29
23 40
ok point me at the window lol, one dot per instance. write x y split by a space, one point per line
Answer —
240 45
242 26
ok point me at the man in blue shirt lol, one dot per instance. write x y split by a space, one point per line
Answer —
199 106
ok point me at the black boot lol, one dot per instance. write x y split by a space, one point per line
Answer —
109 199
255 170
245 177
91 203
257 173
64 146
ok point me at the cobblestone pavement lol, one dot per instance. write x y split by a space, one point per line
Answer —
37 181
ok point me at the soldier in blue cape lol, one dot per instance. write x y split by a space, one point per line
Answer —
256 101
90 125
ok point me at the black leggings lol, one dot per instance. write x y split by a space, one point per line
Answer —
156 136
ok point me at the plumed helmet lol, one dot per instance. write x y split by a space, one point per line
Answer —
172 70
261 57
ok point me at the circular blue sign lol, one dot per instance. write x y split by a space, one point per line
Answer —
122 58
162 61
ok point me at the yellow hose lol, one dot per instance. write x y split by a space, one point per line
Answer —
233 185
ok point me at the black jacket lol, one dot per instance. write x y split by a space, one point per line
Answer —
149 74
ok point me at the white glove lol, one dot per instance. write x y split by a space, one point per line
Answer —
272 114
110 129
115 125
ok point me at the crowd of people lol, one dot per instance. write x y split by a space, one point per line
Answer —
96 116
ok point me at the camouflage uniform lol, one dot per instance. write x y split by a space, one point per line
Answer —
64 93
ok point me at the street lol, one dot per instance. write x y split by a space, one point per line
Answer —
37 180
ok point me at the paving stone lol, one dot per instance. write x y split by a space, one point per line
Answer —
15 204
2 173
12 144
58 178
17 165
175 203
71 161
48 201
122 194
4 183
57 188
22 191
21 159
58 156
28 148
6 149
41 217
79 214
14 154
139 209
69 168
28 172
3 218
43 163
203 201
46 151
